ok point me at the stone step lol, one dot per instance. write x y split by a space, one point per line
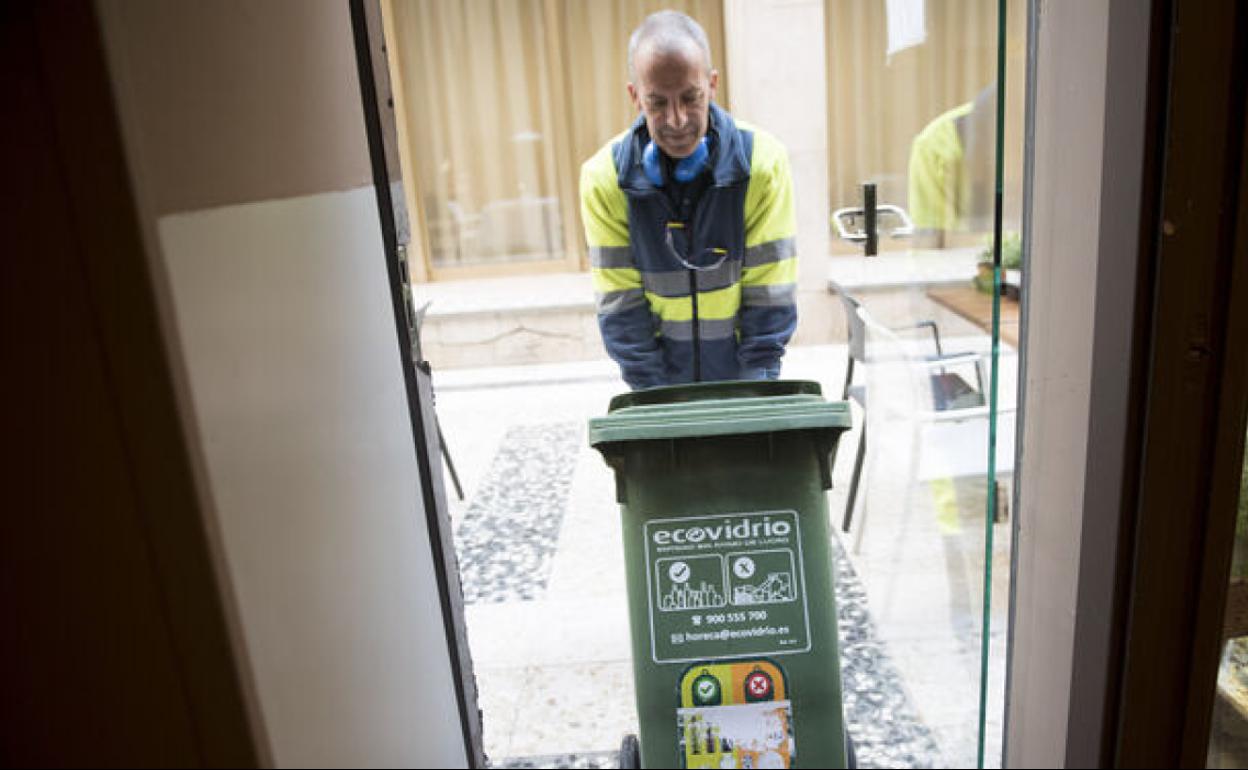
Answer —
550 318
510 321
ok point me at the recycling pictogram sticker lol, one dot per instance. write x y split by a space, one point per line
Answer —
707 690
758 686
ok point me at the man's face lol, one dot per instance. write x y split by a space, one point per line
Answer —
674 91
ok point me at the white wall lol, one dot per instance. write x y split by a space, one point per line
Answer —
279 310
283 315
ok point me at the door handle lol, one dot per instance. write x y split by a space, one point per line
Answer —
846 221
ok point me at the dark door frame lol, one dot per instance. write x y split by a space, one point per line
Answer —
120 643
370 53
1189 394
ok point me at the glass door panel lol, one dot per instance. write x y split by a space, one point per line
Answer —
498 103
924 161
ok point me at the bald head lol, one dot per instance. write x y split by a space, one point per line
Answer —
668 33
672 82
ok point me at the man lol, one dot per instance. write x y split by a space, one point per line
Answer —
951 171
690 221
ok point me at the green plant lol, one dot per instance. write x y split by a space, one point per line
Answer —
1011 250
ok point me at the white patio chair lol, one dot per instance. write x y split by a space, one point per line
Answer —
909 378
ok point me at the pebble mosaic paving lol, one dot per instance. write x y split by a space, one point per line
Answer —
510 529
507 539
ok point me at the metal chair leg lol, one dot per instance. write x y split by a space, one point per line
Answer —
853 481
450 466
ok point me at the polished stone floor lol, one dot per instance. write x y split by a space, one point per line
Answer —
506 543
542 568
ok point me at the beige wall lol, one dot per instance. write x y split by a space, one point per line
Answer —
1061 308
219 87
776 64
244 133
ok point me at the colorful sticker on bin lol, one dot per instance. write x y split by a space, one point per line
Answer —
735 715
725 586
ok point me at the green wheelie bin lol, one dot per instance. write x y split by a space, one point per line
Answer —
727 550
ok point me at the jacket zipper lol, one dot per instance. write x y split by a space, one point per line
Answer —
693 274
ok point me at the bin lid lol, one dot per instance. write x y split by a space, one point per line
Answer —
718 409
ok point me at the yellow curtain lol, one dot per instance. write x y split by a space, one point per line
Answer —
878 104
502 100
479 127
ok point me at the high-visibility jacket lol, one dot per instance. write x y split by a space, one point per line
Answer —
952 163
739 231
938 184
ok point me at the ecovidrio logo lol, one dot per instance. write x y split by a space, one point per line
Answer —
728 530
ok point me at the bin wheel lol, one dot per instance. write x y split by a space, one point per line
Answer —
851 758
630 753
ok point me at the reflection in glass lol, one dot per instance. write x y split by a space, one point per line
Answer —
913 110
500 103
485 138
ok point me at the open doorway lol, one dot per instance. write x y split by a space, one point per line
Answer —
495 106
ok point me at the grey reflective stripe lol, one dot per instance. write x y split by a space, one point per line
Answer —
770 295
709 328
771 251
619 301
675 283
611 256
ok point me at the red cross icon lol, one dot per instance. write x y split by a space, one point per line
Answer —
758 685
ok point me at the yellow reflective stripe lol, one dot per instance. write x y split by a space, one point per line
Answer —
719 304
608 279
770 212
604 209
723 303
670 308
784 271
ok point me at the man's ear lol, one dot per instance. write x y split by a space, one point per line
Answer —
634 96
714 78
